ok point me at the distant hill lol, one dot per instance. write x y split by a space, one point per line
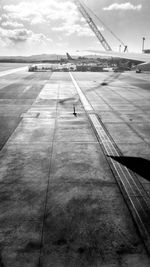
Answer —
34 58
39 58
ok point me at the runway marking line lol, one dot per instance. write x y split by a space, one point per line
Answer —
27 88
132 190
7 72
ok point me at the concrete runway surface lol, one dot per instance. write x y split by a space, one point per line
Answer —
74 188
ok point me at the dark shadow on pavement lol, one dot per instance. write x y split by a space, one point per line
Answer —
106 81
63 101
138 165
74 99
110 78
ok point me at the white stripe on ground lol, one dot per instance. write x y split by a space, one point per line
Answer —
7 72
27 88
84 101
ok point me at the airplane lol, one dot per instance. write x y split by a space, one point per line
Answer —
142 60
81 60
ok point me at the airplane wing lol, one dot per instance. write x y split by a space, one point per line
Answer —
131 56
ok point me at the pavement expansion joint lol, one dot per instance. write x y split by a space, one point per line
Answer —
134 194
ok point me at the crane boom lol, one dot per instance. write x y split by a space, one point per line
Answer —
93 26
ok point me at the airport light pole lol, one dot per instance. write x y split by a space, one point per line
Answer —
143 44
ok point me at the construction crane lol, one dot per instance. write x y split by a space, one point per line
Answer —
93 26
95 29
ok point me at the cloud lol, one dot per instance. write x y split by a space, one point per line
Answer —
61 16
80 30
123 6
12 24
40 38
3 44
48 11
37 20
17 35
10 36
74 29
21 35
41 11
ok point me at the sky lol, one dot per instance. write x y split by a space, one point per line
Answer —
30 27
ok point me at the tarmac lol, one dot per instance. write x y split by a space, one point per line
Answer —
74 169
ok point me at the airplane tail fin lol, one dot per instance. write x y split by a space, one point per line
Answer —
69 57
